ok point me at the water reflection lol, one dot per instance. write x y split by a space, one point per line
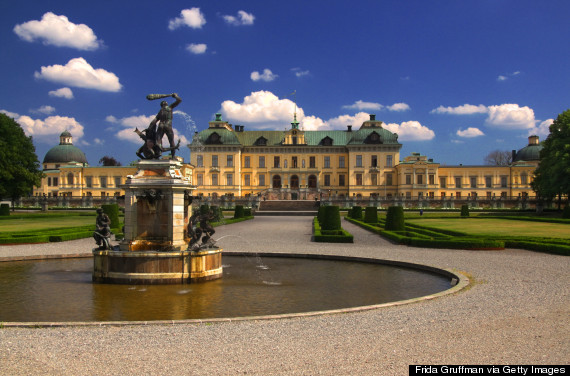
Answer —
61 290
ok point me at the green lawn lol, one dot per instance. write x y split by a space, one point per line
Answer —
41 221
496 227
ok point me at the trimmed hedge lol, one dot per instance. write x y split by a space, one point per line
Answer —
371 214
112 210
539 247
330 219
330 236
239 212
395 219
465 210
355 212
4 209
367 226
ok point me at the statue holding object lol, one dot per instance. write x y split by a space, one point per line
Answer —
158 127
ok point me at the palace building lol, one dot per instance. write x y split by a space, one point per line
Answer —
365 163
362 163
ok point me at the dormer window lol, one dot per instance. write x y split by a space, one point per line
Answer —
214 138
373 138
327 141
261 141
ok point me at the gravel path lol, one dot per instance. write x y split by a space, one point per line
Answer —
516 312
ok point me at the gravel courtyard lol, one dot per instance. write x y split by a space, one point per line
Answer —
516 311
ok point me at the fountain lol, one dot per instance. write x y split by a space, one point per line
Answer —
157 246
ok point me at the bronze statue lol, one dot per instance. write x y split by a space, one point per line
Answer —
205 228
102 234
163 121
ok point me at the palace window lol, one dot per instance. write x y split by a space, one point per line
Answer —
261 180
229 179
214 161
341 181
374 178
457 182
374 161
388 179
341 161
246 162
457 194
214 179
199 160
312 163
70 179
442 183
327 180
117 181
246 180
420 179
389 161
359 161
276 162
488 182
524 179
431 178
473 181
89 181
55 182
358 179
327 161
199 179
262 162
103 181
408 179
230 161
503 181
294 162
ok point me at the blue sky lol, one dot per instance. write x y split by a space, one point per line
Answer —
455 79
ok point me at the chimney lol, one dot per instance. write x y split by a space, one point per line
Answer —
372 117
349 128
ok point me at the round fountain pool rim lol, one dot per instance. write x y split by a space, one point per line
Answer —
459 282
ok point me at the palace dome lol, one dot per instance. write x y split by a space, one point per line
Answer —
65 152
531 152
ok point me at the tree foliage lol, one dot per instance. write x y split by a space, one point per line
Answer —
19 165
552 177
109 161
499 158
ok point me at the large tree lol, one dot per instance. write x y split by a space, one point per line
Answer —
19 165
552 177
109 161
499 158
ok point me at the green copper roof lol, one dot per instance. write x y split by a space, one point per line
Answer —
529 153
64 154
312 138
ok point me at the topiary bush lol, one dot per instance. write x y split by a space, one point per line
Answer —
566 211
217 212
395 219
239 212
371 214
4 209
204 208
465 210
112 210
356 212
331 218
321 214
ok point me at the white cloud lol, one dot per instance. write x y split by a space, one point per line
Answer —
466 109
243 18
300 73
399 107
411 131
197 49
188 17
98 141
58 31
266 76
63 92
49 129
47 110
79 73
361 105
510 116
502 78
542 130
140 121
506 77
261 107
470 132
340 122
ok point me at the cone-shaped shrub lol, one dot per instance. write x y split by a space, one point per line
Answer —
395 219
331 218
566 211
371 214
112 210
239 212
356 212
204 208
464 210
4 209
217 212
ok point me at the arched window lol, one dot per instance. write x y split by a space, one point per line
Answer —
276 181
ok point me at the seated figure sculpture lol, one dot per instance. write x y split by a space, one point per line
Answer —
198 225
102 233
